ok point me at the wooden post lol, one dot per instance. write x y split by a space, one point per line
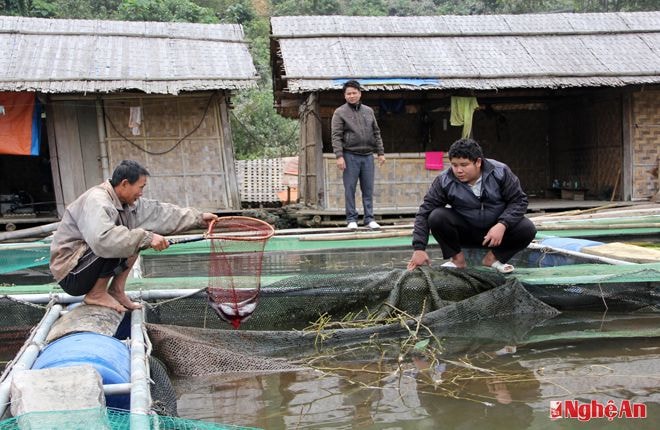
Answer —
627 128
54 160
69 151
227 150
310 176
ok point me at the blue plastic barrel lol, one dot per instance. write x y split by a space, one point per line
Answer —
553 259
108 355
569 243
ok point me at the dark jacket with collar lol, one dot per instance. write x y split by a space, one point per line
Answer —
354 129
502 200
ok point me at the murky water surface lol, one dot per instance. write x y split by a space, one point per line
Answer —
477 390
469 384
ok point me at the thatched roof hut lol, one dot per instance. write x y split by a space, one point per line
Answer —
484 52
573 91
88 56
93 78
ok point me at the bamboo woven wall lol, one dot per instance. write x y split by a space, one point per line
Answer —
260 180
180 142
646 143
400 184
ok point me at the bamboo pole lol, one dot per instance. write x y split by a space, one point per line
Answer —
140 395
356 235
628 213
29 232
645 219
578 211
547 227
616 184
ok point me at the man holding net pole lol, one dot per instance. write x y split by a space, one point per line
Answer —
103 230
479 203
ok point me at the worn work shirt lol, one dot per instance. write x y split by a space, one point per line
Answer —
98 220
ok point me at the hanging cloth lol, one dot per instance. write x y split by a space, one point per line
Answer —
434 160
462 109
135 119
20 124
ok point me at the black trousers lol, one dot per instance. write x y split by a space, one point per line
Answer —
452 232
91 268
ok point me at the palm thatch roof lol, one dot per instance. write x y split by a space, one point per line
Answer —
484 52
64 56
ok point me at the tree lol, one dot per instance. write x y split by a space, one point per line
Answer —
81 9
258 131
257 32
306 7
164 11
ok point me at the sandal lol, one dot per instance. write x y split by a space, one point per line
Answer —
502 267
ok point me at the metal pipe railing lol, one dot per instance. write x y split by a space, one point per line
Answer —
140 394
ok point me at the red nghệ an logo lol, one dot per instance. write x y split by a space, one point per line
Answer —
596 410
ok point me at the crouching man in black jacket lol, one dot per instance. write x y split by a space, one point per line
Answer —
477 203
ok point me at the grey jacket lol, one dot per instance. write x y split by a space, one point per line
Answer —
98 220
354 129
502 200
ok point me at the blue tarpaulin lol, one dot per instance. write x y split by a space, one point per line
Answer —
415 82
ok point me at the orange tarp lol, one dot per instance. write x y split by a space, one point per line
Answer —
16 124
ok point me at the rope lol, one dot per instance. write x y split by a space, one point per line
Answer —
156 305
206 109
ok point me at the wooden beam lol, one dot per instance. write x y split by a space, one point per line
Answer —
54 160
227 149
627 141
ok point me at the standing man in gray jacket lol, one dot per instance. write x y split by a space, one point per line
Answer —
103 230
355 138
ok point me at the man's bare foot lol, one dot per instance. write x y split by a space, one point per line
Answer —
459 260
489 259
461 265
125 301
105 300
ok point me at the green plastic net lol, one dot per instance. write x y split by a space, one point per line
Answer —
15 257
105 419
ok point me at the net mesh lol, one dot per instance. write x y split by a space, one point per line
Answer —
105 419
15 257
237 247
370 315
357 309
16 322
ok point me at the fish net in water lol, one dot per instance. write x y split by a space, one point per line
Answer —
237 246
105 419
357 309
